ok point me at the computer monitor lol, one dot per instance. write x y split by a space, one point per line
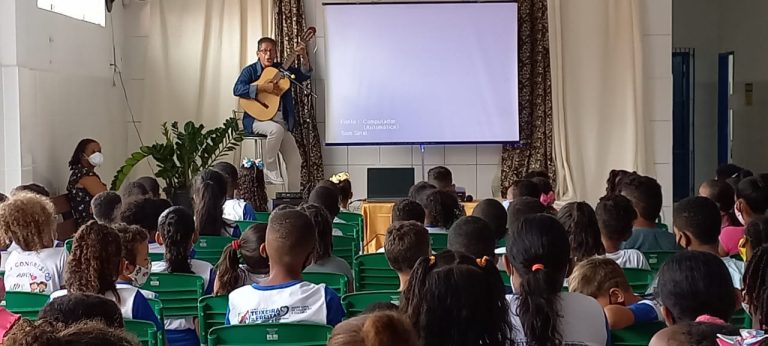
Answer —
389 184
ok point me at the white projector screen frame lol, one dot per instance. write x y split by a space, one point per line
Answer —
394 80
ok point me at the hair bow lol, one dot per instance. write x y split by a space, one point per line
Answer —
747 337
339 177
547 199
248 163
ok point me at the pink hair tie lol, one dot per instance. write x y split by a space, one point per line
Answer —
236 244
547 199
709 319
536 267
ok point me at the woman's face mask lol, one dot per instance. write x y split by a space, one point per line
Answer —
96 159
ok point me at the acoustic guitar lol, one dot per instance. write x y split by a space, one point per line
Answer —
265 105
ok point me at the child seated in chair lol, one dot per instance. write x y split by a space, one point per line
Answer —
323 259
235 209
603 279
145 213
106 207
407 209
615 215
284 296
442 208
327 197
230 274
404 244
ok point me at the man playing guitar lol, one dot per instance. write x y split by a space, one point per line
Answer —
278 129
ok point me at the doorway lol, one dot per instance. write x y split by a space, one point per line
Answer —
682 124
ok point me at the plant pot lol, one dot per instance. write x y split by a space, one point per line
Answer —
181 198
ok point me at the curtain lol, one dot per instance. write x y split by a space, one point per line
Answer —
196 49
535 98
289 24
596 52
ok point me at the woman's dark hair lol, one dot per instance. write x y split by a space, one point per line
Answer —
545 186
209 192
75 307
229 171
323 228
539 240
251 187
756 232
756 285
615 179
730 170
442 208
695 283
754 192
723 195
227 270
77 155
177 228
94 263
345 191
454 299
580 222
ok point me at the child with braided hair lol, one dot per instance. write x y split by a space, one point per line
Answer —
756 287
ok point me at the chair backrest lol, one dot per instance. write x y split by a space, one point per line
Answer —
355 303
657 258
439 241
26 304
741 319
211 313
157 307
353 218
637 335
335 281
639 279
345 248
177 292
156 257
348 229
145 331
68 245
373 273
270 334
209 248
66 225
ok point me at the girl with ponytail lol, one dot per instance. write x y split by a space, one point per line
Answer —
209 192
537 259
230 274
455 299
176 232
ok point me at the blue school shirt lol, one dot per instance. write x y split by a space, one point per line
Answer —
645 311
293 301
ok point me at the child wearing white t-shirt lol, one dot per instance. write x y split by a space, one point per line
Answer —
441 209
37 266
230 274
284 296
176 231
537 261
93 267
615 216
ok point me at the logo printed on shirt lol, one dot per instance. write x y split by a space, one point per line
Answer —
264 315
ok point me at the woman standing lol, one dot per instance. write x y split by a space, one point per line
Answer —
84 183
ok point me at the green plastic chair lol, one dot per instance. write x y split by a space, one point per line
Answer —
355 303
347 229
657 258
639 279
211 313
178 293
296 334
439 241
373 273
157 307
345 248
637 335
741 319
335 281
156 257
68 245
26 304
145 331
353 218
505 278
209 248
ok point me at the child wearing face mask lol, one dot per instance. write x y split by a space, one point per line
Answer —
84 183
135 264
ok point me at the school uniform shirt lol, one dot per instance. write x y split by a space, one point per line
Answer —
156 248
646 311
651 239
438 230
35 271
331 264
15 247
582 321
238 209
629 258
133 303
181 331
248 278
293 301
506 203
736 269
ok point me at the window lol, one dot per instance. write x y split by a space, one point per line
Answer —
92 11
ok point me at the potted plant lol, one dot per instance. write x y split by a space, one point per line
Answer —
184 153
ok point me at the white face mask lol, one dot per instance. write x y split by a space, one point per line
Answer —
139 275
96 159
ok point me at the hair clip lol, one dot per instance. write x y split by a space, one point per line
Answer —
431 260
710 319
536 267
547 199
339 177
482 261
236 244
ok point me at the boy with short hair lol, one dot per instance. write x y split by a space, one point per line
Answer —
152 185
404 244
697 227
603 279
407 210
33 188
284 296
646 197
615 215
106 207
420 190
473 236
145 213
494 214
442 178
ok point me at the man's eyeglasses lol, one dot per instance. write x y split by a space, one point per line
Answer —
267 51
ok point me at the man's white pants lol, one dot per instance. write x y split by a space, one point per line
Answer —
280 140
